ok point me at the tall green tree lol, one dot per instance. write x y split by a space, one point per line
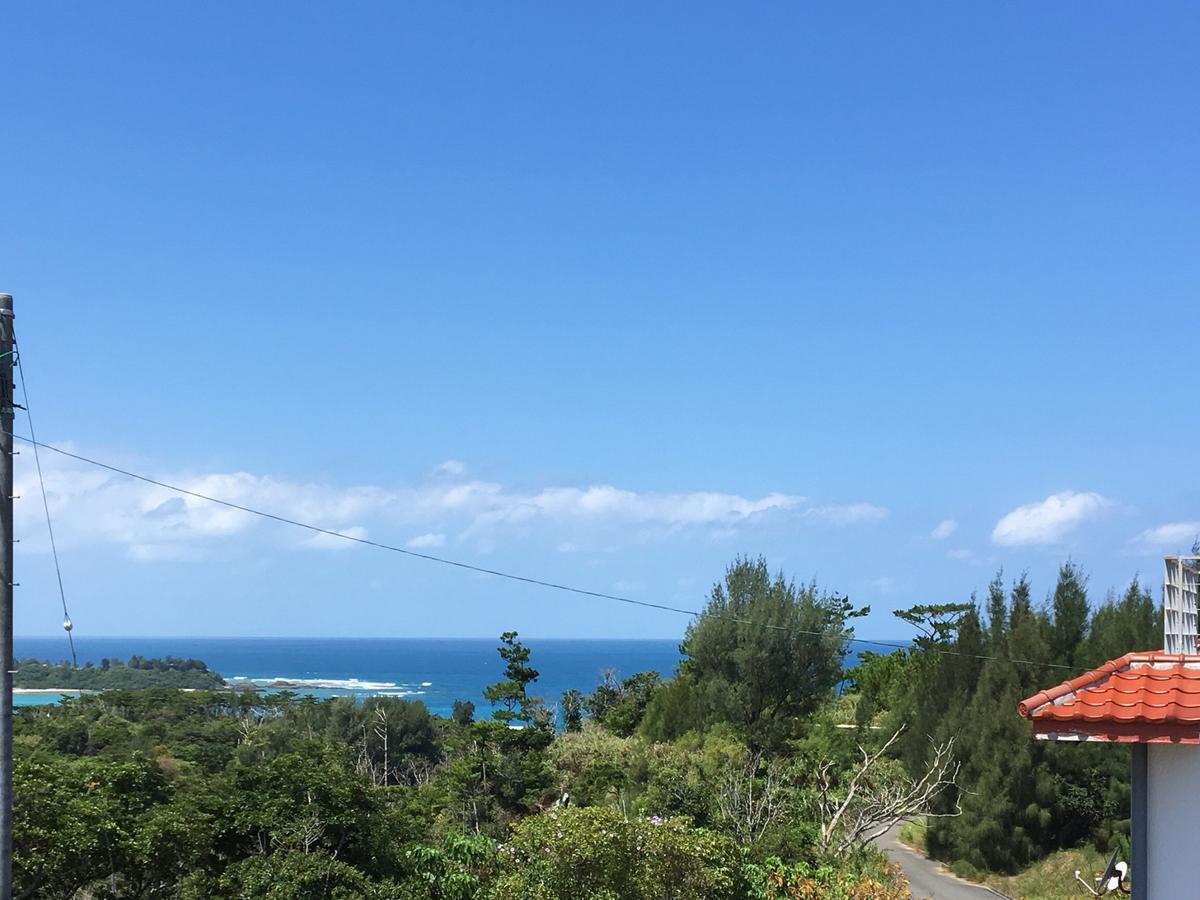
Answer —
1020 604
1119 625
1000 818
620 706
511 695
572 710
1070 606
766 652
939 671
997 612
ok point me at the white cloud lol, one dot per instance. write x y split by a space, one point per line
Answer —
1048 521
427 541
1174 536
884 584
960 554
944 529
91 506
451 467
848 514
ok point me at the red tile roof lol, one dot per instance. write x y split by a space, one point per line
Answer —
1141 698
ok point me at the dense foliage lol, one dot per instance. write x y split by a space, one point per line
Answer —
745 775
1020 799
112 674
161 793
764 656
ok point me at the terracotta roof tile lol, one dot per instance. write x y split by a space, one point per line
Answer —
1146 697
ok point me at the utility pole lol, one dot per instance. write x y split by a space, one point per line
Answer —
6 596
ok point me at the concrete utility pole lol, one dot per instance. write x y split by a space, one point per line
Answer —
6 595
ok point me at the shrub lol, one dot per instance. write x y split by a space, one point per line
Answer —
571 853
776 881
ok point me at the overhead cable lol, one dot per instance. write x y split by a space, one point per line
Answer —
470 567
68 626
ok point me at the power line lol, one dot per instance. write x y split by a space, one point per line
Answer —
524 579
62 594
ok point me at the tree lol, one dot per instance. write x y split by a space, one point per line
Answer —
511 694
572 710
1020 607
880 680
571 853
619 707
940 675
997 612
1133 622
855 807
765 653
1070 613
463 712
753 795
1001 815
937 622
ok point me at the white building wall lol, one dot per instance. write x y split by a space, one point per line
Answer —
1173 820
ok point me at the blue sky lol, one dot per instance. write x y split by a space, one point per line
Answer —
891 294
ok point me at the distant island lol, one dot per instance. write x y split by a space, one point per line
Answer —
113 674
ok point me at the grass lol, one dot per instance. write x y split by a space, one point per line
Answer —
1052 878
913 834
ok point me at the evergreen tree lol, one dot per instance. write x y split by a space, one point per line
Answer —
1070 613
1029 642
511 695
997 783
1133 622
997 612
572 710
1021 606
939 676
766 652
463 712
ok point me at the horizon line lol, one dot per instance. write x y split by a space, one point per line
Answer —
290 637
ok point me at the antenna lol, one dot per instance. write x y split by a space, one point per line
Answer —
1181 599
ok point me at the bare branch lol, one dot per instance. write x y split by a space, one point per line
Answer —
874 798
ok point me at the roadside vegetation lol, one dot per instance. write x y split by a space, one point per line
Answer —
1023 813
756 771
1052 878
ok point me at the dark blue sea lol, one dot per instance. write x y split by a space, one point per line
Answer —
437 671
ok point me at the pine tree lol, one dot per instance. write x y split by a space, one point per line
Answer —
1119 626
997 611
1070 613
511 695
1021 606
997 782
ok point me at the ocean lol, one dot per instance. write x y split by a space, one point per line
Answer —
436 671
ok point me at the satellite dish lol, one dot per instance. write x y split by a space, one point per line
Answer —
1114 883
1109 871
1111 880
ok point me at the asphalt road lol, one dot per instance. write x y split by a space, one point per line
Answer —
926 877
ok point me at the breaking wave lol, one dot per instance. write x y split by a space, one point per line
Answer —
356 685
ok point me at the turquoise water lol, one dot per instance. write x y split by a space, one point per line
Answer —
437 671
40 699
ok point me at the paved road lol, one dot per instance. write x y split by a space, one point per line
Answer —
927 878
